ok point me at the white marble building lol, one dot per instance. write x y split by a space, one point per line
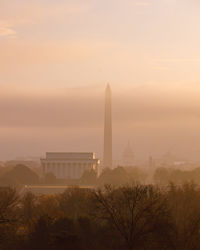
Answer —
69 165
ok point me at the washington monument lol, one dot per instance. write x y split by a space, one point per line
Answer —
107 161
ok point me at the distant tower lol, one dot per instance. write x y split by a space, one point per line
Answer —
151 162
107 161
128 156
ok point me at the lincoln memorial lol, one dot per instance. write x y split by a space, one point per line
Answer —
69 165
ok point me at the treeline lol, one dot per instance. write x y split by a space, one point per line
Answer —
116 176
128 217
20 175
17 176
163 176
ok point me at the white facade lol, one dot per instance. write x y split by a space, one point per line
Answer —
69 165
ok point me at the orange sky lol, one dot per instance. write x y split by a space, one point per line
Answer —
58 55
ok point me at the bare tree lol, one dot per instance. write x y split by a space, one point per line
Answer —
136 212
8 201
184 204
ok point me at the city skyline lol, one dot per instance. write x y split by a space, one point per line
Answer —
99 124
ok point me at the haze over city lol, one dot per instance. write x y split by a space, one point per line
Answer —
99 125
57 57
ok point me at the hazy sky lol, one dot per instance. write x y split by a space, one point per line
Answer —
56 57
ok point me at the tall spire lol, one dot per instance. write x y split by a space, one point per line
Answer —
108 129
128 156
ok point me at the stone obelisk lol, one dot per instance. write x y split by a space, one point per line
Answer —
107 161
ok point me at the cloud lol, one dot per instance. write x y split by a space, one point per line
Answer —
6 29
22 15
143 4
154 116
34 11
159 68
83 108
178 60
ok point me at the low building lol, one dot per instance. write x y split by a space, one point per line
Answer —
69 165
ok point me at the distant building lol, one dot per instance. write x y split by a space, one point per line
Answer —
128 156
151 162
69 165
